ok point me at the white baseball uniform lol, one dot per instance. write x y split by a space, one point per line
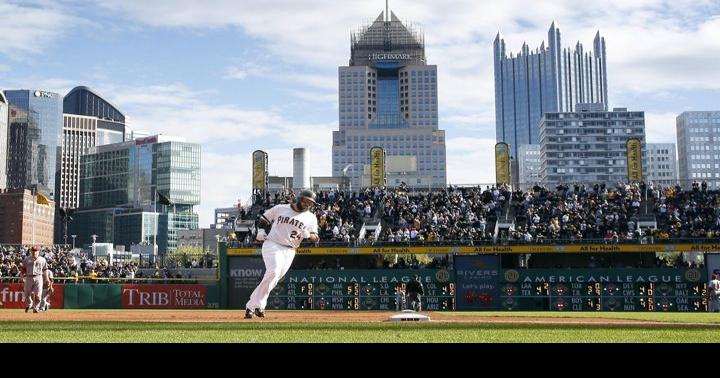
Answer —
278 250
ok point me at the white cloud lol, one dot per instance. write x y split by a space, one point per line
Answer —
59 86
228 134
660 127
470 160
30 28
653 45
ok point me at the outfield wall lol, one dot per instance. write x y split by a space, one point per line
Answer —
476 281
114 296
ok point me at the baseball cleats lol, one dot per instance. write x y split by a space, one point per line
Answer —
27 308
259 313
35 311
248 313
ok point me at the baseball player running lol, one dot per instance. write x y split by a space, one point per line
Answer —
34 270
290 225
48 290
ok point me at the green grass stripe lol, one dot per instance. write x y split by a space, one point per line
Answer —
250 332
671 317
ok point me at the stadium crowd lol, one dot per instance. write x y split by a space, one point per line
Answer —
572 213
70 265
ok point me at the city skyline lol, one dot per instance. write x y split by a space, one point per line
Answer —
275 88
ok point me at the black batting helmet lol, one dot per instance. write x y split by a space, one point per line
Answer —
309 194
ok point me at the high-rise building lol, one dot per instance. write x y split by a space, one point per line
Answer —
88 121
122 185
698 140
529 165
549 79
79 135
589 145
388 98
3 140
34 140
661 164
84 101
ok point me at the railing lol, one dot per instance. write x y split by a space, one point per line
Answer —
114 280
490 242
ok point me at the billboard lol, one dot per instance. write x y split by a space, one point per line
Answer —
13 296
377 166
477 282
164 296
259 170
502 163
634 160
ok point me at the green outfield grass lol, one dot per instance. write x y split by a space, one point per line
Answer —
669 317
257 331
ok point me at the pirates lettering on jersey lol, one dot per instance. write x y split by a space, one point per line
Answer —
288 225
291 221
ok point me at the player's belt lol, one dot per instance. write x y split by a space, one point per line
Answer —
282 245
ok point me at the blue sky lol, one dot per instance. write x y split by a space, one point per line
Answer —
238 76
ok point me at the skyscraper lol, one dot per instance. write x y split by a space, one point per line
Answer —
698 134
88 121
548 79
118 186
388 98
3 140
34 140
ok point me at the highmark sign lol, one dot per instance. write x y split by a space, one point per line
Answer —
389 56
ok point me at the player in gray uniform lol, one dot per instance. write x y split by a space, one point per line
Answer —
34 270
48 290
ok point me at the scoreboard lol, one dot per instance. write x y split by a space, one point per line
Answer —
477 283
669 290
360 290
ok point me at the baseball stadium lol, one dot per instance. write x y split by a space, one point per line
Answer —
571 264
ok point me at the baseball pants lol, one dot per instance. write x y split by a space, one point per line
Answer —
278 259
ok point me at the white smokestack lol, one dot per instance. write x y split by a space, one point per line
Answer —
301 169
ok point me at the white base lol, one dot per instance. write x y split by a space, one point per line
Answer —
409 316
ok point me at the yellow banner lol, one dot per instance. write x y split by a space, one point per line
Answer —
404 250
259 169
502 163
243 251
377 166
634 160
323 251
493 249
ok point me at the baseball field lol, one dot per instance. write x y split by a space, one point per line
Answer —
140 326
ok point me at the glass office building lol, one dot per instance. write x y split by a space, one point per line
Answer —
3 140
388 98
84 101
548 79
120 181
34 140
